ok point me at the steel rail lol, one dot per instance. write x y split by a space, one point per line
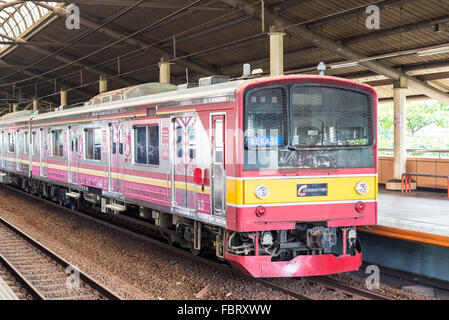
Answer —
21 279
83 276
349 289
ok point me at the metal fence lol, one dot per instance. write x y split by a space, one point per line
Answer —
424 153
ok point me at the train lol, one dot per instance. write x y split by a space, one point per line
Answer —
271 174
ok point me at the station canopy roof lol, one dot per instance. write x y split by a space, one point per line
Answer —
43 50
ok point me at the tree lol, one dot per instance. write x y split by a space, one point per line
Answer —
420 115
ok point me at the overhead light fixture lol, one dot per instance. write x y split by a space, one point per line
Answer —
433 51
345 65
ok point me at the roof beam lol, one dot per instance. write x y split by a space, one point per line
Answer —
68 59
146 4
417 67
9 4
355 12
281 6
61 83
286 4
180 15
54 44
393 31
424 77
155 49
343 51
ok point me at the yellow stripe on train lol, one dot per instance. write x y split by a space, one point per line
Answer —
286 190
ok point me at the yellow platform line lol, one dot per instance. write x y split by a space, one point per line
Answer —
408 235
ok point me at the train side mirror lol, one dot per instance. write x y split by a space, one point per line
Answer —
198 176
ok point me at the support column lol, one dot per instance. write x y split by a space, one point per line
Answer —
63 97
400 131
164 73
276 51
103 83
35 104
15 107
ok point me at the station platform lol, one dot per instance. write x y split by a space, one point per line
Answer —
421 216
412 233
421 211
6 292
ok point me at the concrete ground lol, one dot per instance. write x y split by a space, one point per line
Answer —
421 211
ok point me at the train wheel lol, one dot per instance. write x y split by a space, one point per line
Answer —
196 252
170 240
61 198
74 204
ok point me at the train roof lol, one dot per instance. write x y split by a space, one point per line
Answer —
215 90
170 96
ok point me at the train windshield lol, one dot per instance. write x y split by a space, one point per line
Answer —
308 126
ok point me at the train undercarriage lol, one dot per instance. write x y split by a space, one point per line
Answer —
306 240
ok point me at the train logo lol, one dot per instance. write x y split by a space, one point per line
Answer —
312 190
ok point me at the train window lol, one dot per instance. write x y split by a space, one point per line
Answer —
58 143
266 118
12 142
327 116
35 143
329 127
179 142
26 141
147 144
141 142
21 143
192 142
219 147
153 145
93 144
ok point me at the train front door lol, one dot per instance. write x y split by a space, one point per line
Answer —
117 158
218 183
74 154
184 162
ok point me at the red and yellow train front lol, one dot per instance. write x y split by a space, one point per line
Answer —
306 176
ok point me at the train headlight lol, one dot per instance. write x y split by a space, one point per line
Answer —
262 192
362 188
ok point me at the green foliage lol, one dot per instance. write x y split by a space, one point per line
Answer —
422 120
421 115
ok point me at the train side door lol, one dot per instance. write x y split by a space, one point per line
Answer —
184 162
74 154
117 158
218 178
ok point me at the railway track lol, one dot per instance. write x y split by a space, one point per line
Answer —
349 290
141 230
41 273
20 287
